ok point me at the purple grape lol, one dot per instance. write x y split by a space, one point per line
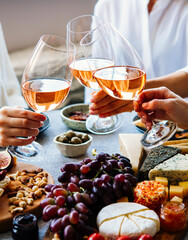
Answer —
56 186
94 197
108 167
64 177
61 212
60 201
77 197
101 157
47 201
97 191
74 179
84 217
48 187
65 221
70 201
73 187
119 178
133 180
125 162
129 170
55 225
107 187
86 198
97 182
117 189
69 167
113 162
105 178
51 211
74 217
86 184
95 165
49 195
69 232
87 160
81 207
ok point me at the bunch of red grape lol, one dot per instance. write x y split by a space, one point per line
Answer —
85 188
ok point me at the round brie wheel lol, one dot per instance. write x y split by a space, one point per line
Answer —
128 219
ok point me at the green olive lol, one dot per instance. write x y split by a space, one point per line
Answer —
70 134
79 135
85 137
75 140
63 139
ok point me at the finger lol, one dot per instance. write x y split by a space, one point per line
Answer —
16 141
156 104
21 132
22 113
22 123
126 108
103 102
116 106
98 96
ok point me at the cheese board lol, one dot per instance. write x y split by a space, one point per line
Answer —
5 216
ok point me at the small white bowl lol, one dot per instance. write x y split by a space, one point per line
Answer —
73 150
74 124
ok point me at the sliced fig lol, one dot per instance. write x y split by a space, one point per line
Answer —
7 161
3 174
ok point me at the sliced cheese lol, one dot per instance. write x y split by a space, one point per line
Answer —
175 191
106 228
131 147
185 188
139 123
175 169
130 219
176 199
130 228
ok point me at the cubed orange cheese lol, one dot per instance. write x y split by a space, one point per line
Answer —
166 189
123 199
162 180
176 191
176 199
185 188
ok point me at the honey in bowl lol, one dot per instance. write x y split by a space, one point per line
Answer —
173 216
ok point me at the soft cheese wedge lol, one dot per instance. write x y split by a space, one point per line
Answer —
175 169
131 147
127 218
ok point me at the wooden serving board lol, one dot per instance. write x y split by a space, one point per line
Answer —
5 216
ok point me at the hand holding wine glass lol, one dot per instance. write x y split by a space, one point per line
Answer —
46 83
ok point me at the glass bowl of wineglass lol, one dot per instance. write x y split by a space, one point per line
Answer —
77 28
126 79
45 84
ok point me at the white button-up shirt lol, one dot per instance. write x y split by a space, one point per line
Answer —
160 38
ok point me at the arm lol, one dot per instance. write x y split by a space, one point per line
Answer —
162 104
17 122
105 106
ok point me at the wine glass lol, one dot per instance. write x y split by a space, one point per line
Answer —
45 84
77 28
126 79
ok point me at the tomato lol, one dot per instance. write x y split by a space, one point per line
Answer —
124 238
96 236
145 237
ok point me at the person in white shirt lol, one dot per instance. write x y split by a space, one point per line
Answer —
158 30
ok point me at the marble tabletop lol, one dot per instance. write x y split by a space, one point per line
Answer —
53 159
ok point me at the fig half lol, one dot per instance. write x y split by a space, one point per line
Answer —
7 161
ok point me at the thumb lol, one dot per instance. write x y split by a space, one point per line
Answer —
155 104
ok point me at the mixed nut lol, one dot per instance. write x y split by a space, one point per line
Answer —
73 137
25 187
